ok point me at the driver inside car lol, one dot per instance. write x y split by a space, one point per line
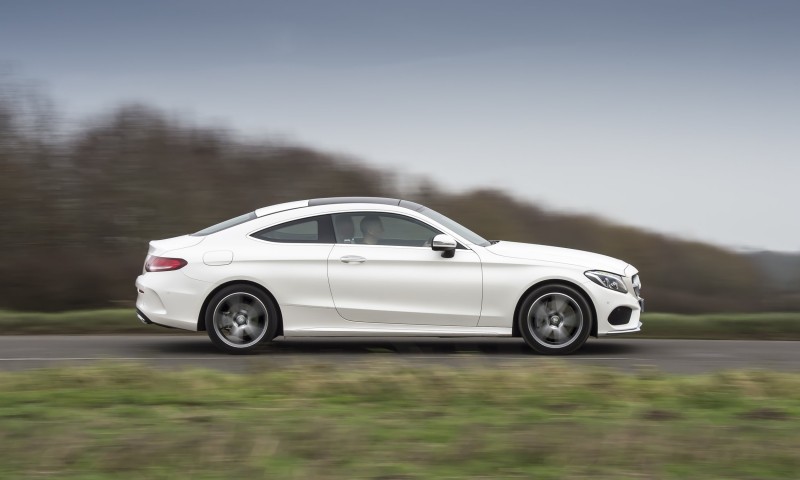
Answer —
372 229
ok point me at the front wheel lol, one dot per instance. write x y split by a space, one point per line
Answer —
239 318
555 320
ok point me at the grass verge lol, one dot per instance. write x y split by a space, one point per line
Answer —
106 321
757 326
727 326
382 421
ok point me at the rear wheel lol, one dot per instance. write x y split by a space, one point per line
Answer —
555 320
239 318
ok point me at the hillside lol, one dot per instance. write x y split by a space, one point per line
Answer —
79 209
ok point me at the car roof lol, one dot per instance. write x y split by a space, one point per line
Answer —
339 201
373 200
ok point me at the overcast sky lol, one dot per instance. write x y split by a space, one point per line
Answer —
681 117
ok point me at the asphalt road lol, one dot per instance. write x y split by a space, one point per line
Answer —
195 350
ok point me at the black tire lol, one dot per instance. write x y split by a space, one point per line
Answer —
240 318
555 320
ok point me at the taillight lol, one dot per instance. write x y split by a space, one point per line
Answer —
163 264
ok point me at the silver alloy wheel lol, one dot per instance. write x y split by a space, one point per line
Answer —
555 320
241 319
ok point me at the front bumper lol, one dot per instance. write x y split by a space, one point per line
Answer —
617 312
638 328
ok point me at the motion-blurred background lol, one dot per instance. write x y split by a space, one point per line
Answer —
662 133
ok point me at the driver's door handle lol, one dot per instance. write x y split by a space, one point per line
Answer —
353 259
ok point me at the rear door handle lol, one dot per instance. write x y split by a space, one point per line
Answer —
353 259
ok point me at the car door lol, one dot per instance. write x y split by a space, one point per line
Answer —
397 278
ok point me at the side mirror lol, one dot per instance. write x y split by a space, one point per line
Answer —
445 244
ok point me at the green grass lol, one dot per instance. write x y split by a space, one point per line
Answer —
764 326
107 321
379 421
730 326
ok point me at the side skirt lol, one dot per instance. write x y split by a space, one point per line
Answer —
393 330
326 322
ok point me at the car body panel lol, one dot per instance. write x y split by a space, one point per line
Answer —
171 299
281 207
295 274
405 285
161 247
567 256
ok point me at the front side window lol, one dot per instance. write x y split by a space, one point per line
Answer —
307 230
371 228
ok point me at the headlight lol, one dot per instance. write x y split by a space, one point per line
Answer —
608 280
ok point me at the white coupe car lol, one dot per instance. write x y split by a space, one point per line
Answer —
379 267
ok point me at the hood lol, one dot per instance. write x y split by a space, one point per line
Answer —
160 247
588 260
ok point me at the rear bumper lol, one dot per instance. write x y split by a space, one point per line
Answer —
169 299
143 318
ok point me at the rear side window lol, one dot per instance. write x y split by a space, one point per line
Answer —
307 230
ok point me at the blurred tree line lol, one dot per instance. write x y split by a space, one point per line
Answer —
79 207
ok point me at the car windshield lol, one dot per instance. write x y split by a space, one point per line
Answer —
226 224
456 227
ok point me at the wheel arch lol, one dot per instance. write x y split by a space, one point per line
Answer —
515 324
201 323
